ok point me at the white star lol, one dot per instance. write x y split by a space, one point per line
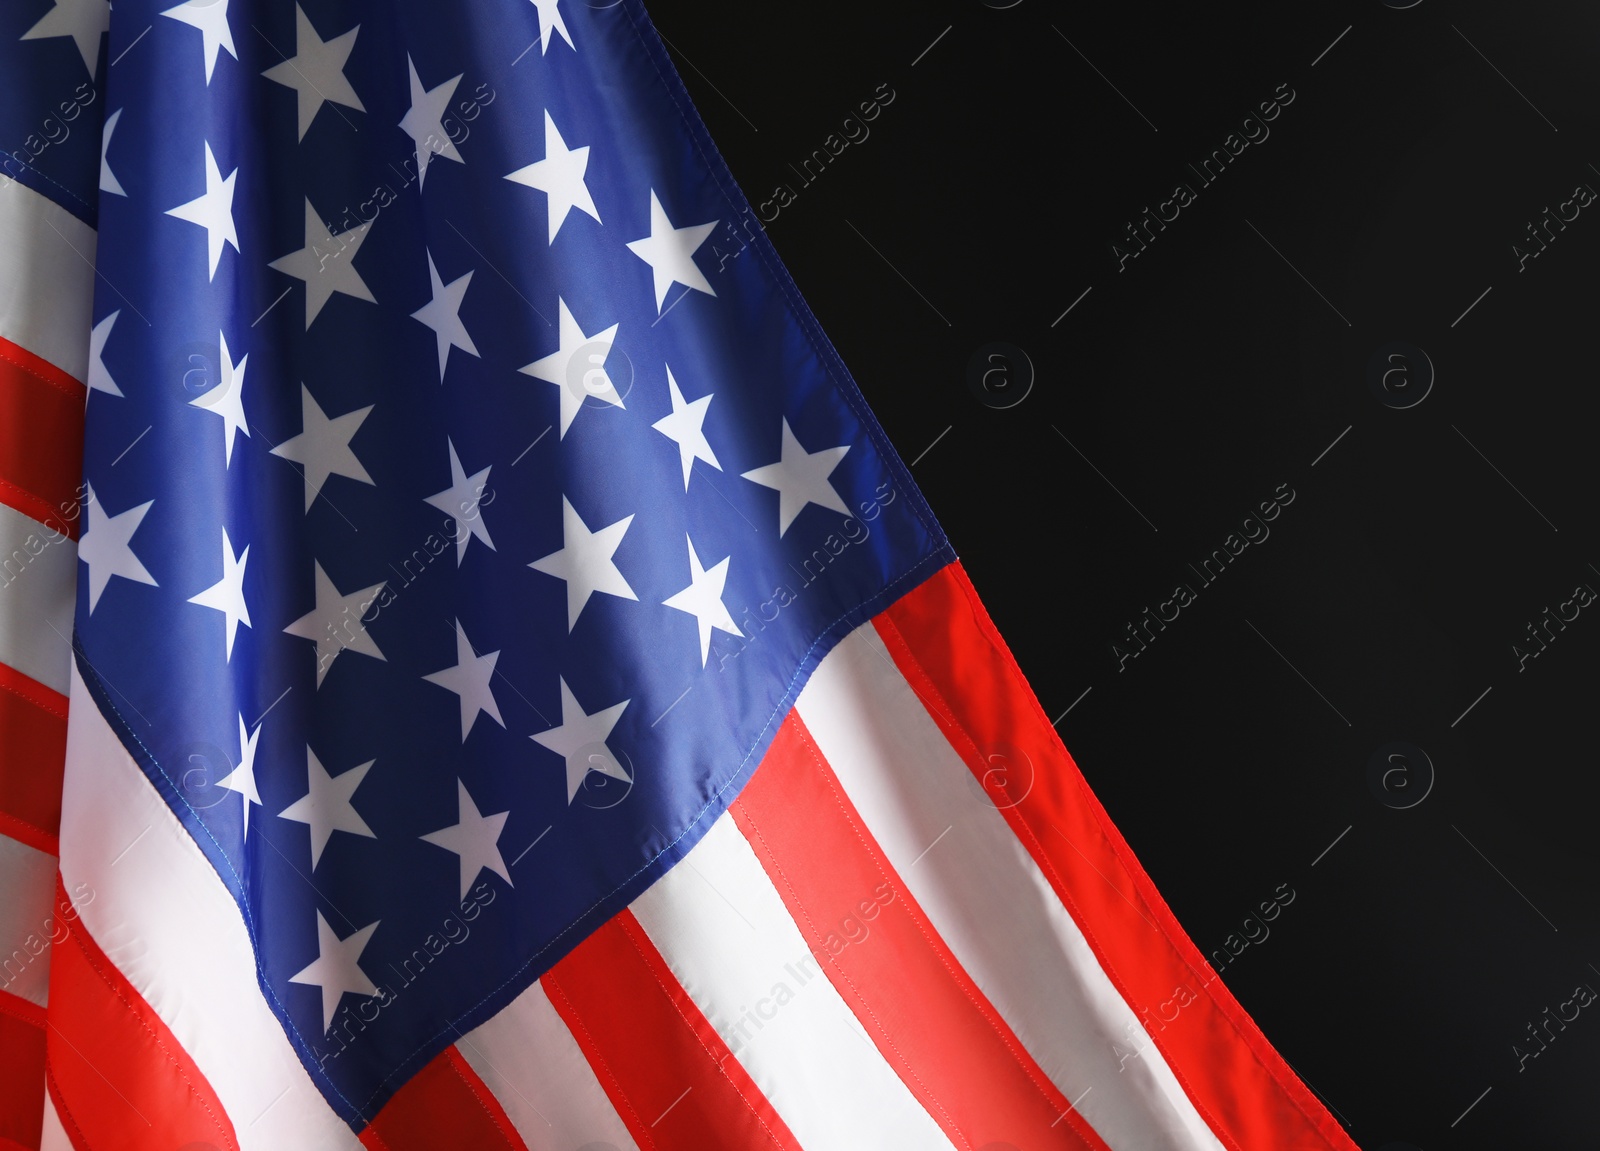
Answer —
84 20
585 562
424 123
99 378
335 624
326 269
703 600
227 399
211 17
337 968
469 679
213 211
578 378
243 778
227 594
670 252
105 546
322 448
475 838
686 428
560 177
317 71
581 741
550 17
800 478
325 807
462 502
108 178
443 315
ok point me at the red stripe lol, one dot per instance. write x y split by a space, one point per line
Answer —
444 1105
666 1070
944 643
21 1072
118 1077
14 828
928 1019
33 752
22 1010
41 438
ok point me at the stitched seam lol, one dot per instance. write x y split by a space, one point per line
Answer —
223 1132
604 1068
986 629
22 1010
777 871
628 931
66 191
477 1095
718 170
984 1010
1042 858
63 1112
36 499
29 695
23 831
1046 864
1074 1117
53 384
105 703
691 823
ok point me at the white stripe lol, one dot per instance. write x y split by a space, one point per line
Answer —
726 934
55 1135
526 1056
38 579
46 278
162 915
989 901
27 891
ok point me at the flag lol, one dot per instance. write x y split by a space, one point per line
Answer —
518 696
50 119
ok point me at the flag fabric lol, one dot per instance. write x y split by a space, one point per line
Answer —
518 696
50 119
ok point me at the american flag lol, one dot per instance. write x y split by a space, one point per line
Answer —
519 699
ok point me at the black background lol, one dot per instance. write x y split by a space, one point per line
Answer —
1179 393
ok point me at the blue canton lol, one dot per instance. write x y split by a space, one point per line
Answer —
475 496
